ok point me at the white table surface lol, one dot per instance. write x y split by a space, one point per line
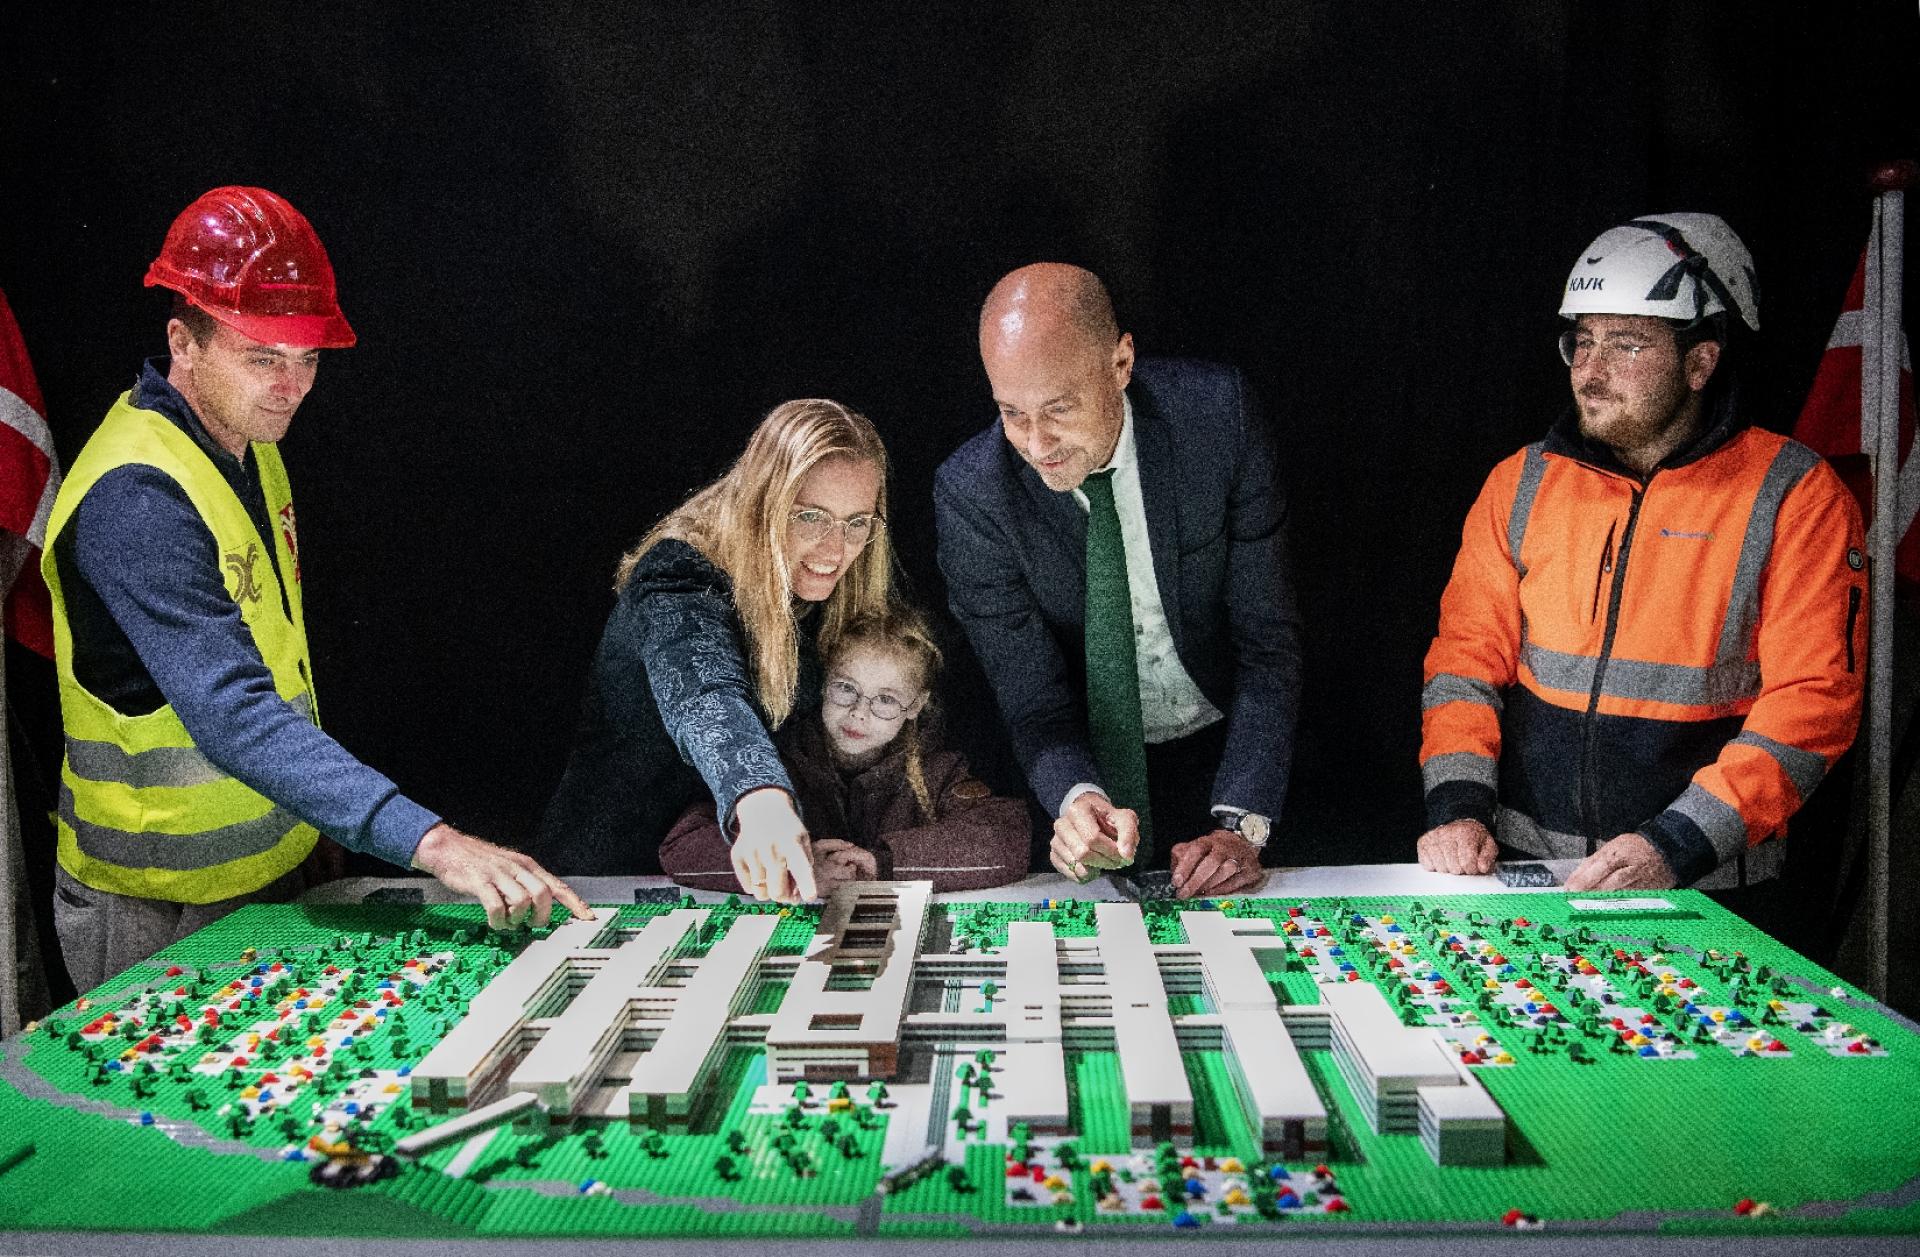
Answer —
1302 883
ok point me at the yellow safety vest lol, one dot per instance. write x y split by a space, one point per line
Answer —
142 812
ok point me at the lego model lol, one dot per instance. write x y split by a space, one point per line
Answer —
890 1066
842 1014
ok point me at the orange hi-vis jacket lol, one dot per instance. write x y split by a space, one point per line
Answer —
1679 657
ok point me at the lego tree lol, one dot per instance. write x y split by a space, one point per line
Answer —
146 1080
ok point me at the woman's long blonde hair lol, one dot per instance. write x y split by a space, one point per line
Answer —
740 523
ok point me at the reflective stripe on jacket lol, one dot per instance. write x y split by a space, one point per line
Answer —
142 812
1680 658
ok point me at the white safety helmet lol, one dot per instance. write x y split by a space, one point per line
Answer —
1682 267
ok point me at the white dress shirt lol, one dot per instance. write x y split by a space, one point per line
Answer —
1171 705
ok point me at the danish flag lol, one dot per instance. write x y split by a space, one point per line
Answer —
29 479
1830 423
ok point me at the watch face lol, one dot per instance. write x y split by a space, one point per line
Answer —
1253 827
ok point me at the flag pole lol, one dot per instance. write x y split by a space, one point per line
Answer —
11 861
1880 343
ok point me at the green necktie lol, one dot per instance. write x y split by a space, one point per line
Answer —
1113 681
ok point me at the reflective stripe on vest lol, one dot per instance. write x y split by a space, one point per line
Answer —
175 767
142 811
1531 472
1804 769
1788 468
1449 687
1460 766
1732 677
180 852
1719 685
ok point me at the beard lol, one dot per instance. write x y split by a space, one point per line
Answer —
1644 418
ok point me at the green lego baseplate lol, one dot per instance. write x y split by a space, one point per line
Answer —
1654 1064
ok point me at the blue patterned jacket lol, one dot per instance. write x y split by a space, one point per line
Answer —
671 715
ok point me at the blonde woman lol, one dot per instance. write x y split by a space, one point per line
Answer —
711 647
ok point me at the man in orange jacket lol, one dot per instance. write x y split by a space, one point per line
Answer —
1650 650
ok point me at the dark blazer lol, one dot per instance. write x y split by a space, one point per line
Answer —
1014 555
671 715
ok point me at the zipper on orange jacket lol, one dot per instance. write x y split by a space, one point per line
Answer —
1599 577
1589 808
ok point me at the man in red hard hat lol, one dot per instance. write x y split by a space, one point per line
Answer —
196 775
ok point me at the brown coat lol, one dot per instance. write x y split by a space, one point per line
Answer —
975 841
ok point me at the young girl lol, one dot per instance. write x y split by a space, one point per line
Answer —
881 799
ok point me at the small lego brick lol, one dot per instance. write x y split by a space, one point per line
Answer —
1525 873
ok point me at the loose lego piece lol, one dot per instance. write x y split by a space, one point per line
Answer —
1525 874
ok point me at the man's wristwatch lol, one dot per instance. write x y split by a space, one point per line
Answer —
1251 826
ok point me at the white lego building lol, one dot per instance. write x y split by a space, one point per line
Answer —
634 1022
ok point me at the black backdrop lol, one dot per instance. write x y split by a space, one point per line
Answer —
586 243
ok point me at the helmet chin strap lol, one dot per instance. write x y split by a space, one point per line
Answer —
1690 263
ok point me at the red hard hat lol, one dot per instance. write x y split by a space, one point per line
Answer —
252 261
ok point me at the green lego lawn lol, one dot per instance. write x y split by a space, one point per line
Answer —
194 1133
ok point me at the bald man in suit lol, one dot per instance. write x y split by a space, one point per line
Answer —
1216 641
